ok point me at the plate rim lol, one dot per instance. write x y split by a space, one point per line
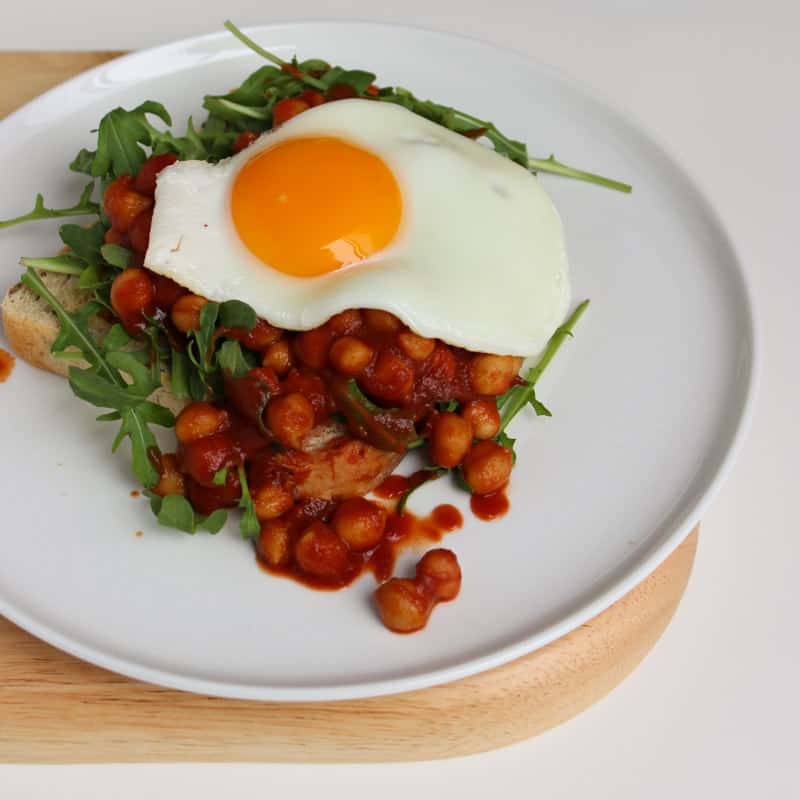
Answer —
640 567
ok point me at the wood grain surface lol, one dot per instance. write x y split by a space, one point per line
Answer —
57 709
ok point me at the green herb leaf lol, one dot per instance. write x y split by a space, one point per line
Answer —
176 512
92 277
84 242
179 375
249 526
236 314
84 207
83 161
116 255
214 522
461 481
65 264
232 360
504 440
220 477
516 398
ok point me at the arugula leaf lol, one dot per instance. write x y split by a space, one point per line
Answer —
504 440
461 481
232 360
84 207
65 264
516 398
93 277
220 477
143 443
175 511
84 242
179 375
83 161
236 314
116 255
249 526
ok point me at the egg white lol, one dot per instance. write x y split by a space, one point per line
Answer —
479 260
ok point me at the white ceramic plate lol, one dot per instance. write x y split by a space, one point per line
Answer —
649 402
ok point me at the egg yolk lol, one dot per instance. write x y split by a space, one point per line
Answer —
308 206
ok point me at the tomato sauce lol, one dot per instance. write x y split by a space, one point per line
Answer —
6 365
489 506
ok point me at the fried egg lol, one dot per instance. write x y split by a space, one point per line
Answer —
363 204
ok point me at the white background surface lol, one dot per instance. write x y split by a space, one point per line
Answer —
711 712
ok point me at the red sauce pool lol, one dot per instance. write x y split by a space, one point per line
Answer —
6 365
489 506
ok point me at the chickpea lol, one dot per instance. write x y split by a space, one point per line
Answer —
272 501
259 337
402 606
312 347
345 322
491 374
132 296
450 440
185 314
350 356
273 542
390 379
359 523
439 572
290 417
199 420
417 348
206 499
203 458
381 321
171 481
484 418
487 467
321 553
278 357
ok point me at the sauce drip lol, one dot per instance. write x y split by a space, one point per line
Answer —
6 365
134 492
489 506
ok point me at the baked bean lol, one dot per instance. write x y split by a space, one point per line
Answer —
341 91
313 97
272 501
345 322
450 439
167 292
171 481
198 420
122 203
487 467
243 140
390 379
278 357
290 417
440 367
381 321
260 337
359 523
417 348
204 458
402 605
439 572
287 108
491 374
206 499
313 388
312 346
321 553
185 314
133 297
273 542
139 232
484 418
350 356
145 182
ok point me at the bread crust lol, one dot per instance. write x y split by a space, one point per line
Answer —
332 464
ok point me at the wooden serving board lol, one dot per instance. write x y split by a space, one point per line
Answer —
55 708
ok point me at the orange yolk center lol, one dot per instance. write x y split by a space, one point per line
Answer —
312 205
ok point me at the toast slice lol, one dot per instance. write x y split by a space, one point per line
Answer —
332 464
